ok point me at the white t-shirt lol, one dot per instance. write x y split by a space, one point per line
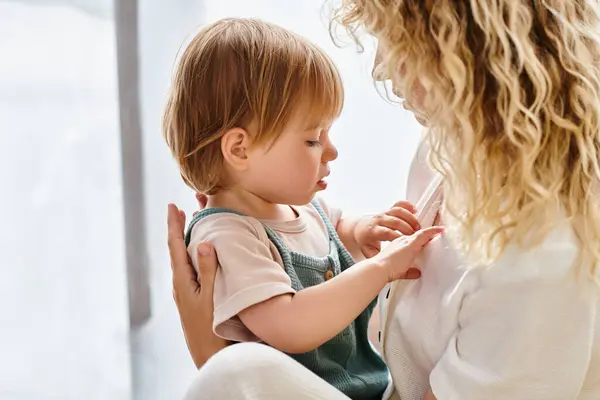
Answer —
524 328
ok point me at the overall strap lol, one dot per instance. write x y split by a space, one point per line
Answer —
345 257
286 257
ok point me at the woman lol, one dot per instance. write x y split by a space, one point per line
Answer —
508 304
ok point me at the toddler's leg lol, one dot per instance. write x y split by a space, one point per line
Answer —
251 371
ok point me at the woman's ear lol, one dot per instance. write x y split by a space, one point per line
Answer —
234 146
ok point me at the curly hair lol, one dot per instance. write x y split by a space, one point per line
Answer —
513 105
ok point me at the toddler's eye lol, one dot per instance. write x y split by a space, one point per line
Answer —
313 143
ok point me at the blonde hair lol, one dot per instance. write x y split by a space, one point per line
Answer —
513 105
241 71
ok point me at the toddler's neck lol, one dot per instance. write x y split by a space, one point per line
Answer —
252 205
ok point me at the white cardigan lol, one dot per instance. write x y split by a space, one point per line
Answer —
524 328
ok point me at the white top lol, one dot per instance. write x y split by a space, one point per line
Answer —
524 328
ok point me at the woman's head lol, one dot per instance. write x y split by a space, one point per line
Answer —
242 83
512 99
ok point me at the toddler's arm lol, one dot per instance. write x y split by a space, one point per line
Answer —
305 320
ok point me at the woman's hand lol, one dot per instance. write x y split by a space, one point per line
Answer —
371 230
194 303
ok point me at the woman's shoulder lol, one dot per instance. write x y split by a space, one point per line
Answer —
555 257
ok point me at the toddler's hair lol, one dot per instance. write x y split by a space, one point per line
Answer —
241 71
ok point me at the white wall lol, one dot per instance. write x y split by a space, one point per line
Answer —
64 328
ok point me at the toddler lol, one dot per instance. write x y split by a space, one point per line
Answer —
248 120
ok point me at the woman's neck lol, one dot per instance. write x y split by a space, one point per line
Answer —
251 204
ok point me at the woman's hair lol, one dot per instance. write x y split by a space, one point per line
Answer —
237 72
513 103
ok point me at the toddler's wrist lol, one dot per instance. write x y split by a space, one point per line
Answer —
356 229
380 266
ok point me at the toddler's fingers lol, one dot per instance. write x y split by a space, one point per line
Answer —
370 251
406 205
383 234
395 224
406 216
424 236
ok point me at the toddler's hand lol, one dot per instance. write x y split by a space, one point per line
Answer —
370 231
399 256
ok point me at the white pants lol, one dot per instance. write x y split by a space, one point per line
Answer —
251 371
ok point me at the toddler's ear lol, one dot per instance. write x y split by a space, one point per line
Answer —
234 146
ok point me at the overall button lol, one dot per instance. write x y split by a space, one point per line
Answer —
328 274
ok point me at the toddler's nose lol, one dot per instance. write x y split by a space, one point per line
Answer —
330 153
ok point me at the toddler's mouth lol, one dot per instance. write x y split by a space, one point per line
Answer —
322 184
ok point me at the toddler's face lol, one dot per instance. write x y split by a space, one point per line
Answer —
292 169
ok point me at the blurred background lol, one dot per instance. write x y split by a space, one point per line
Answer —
86 309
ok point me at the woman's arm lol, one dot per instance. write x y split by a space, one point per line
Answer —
194 303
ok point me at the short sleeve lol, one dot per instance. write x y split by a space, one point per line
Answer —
247 275
333 213
525 333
